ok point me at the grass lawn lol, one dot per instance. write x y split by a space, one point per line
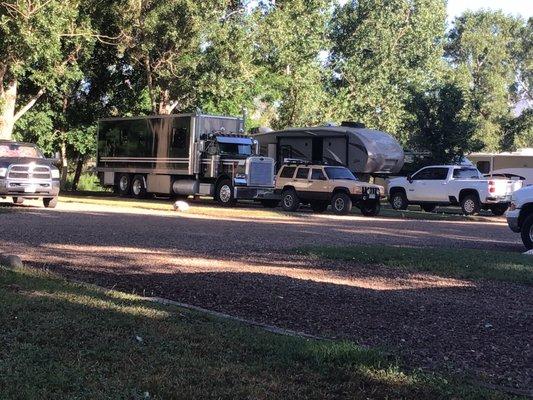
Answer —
463 263
60 340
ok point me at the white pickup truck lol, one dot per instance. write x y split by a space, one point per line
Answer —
452 185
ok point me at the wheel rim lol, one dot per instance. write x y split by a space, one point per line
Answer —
531 233
397 202
339 204
225 193
469 206
137 187
288 201
123 183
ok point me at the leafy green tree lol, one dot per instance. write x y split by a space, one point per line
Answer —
40 43
484 47
439 125
381 51
518 132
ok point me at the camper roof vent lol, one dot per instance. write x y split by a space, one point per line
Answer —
352 124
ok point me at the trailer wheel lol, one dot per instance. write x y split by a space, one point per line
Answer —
138 187
224 193
124 185
18 200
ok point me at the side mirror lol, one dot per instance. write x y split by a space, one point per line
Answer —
409 178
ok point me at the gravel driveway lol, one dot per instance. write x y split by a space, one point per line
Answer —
236 265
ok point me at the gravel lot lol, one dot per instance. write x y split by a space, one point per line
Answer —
236 264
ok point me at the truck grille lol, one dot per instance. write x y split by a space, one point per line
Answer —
261 171
27 172
370 190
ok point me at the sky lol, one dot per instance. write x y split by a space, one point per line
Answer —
515 7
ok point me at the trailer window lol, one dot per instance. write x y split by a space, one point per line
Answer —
179 140
288 172
483 166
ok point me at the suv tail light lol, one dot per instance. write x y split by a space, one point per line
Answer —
492 187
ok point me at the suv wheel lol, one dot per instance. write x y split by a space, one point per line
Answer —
341 203
470 204
224 193
319 206
290 200
527 232
398 200
124 185
50 202
18 200
138 188
370 209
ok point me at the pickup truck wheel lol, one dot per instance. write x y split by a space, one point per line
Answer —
270 203
224 193
138 188
290 200
50 202
370 209
527 232
124 185
341 203
470 205
428 207
499 209
398 200
18 200
319 206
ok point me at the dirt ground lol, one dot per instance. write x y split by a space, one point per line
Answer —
239 265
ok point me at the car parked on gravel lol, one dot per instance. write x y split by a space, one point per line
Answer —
452 185
322 185
26 174
520 215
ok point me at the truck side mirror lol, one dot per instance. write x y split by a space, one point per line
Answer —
409 178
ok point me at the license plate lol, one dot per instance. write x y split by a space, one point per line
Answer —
30 189
371 196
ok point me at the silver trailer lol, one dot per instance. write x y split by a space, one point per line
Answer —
181 155
364 151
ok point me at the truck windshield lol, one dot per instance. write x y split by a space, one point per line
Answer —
235 149
19 150
339 173
466 173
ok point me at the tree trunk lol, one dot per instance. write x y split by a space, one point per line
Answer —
64 163
8 100
77 174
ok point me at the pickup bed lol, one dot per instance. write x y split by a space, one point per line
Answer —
26 174
452 185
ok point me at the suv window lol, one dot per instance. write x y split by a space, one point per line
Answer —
318 175
302 173
466 173
287 172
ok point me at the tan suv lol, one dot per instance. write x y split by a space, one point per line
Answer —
322 185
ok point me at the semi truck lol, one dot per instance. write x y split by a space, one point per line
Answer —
181 155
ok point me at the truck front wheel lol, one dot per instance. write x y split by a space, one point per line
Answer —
398 200
50 202
527 232
224 193
470 204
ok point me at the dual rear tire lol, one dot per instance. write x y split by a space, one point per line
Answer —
134 186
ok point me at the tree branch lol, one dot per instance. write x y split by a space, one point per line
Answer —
28 105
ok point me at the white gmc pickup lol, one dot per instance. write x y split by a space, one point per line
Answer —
452 185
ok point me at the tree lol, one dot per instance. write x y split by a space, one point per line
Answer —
484 48
291 37
381 51
439 125
36 53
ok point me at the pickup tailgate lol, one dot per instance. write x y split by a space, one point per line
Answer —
503 187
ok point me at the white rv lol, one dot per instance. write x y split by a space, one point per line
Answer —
515 165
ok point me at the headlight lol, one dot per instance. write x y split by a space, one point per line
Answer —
3 172
55 174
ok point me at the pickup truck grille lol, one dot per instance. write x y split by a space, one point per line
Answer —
27 172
